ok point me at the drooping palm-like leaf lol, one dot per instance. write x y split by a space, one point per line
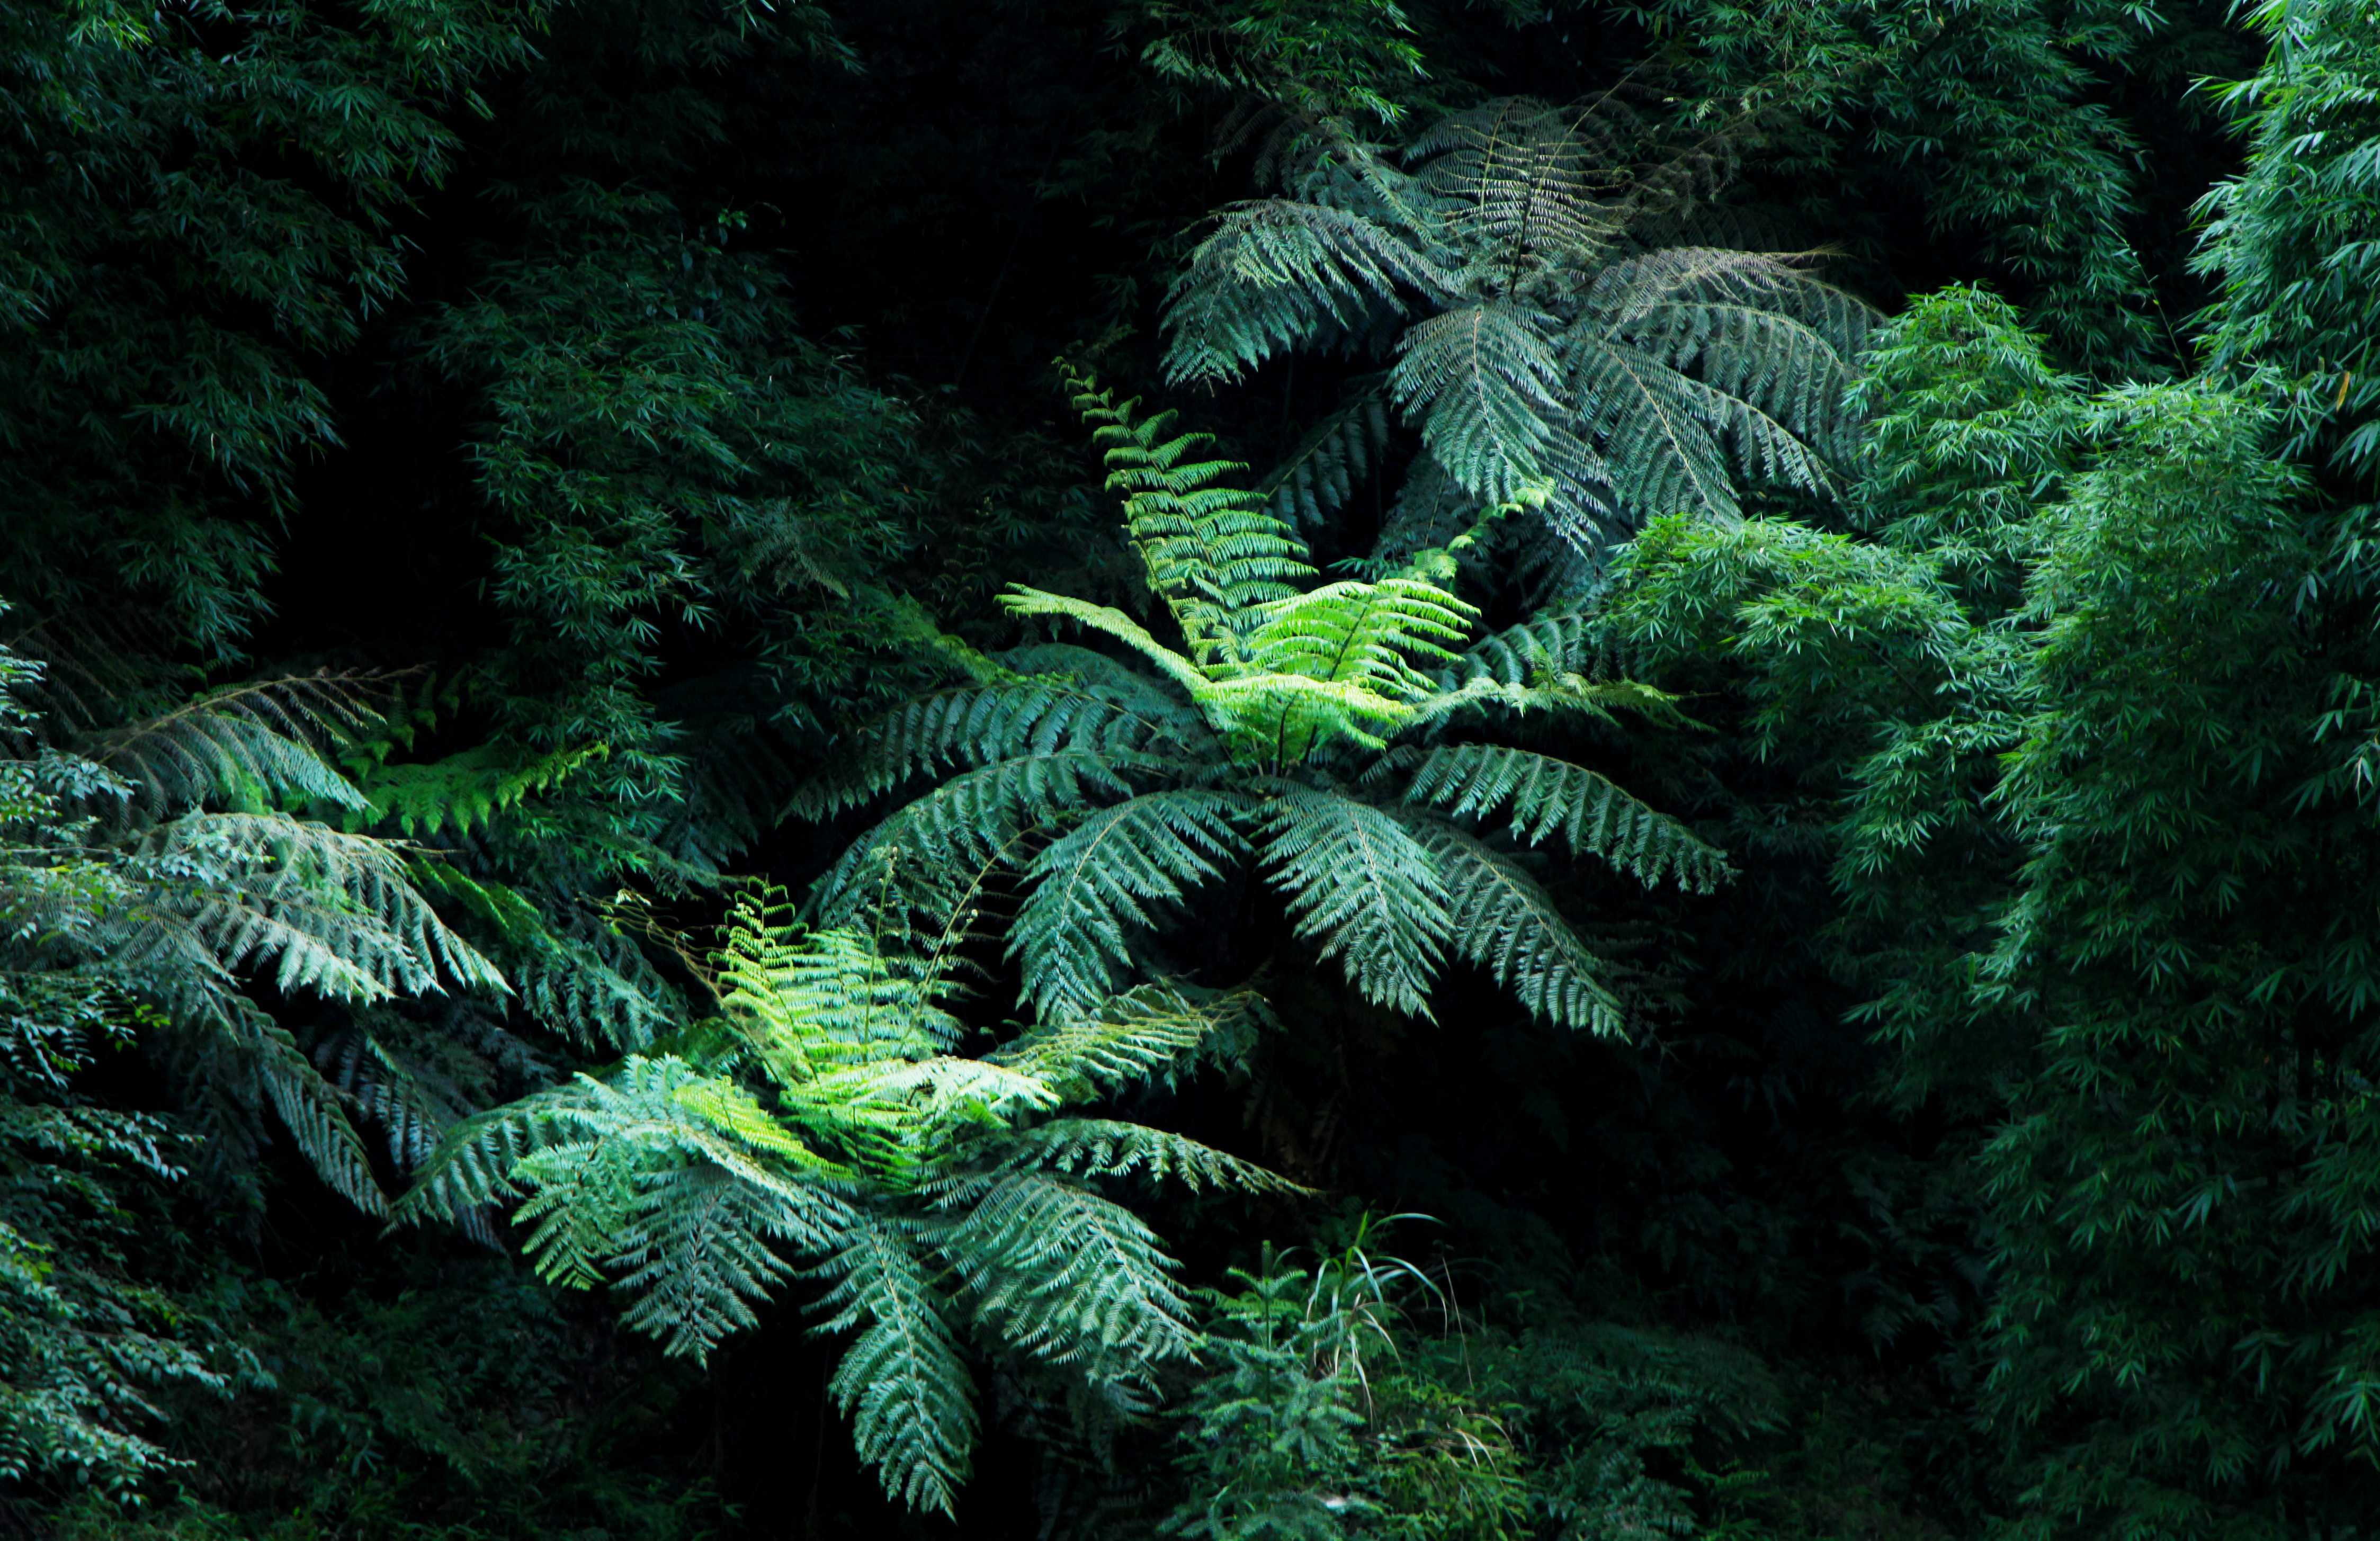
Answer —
1537 331
1328 740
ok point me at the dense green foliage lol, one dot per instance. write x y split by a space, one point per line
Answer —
1784 738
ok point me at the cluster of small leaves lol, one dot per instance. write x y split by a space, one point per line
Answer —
2093 869
201 206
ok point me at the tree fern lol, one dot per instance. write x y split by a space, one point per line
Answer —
822 1132
1536 337
1298 734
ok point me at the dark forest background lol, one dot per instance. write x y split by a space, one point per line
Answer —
480 479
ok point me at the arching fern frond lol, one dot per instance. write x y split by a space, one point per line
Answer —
1485 384
1096 888
1503 921
461 794
248 748
1274 274
1148 1033
1586 809
1358 886
976 818
1088 1147
900 1382
1069 1276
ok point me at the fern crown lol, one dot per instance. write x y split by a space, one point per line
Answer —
1535 320
822 1131
1334 737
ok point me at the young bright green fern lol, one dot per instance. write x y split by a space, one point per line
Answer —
1331 736
824 1130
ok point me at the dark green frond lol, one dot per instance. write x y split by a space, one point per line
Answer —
1357 885
1099 886
1502 920
1146 1034
900 1382
1587 810
1069 1276
1088 1147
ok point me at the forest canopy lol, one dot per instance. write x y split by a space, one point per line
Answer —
1246 770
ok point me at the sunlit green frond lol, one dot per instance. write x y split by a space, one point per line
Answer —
1148 1033
1210 549
1549 797
1018 599
1099 886
1088 1147
1270 720
1376 634
1502 920
463 791
810 1001
901 1381
1357 884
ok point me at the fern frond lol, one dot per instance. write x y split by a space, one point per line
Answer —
975 818
811 1001
463 793
1587 810
1145 1034
1356 883
1274 719
311 1107
329 912
1516 177
1018 599
1070 1277
901 1381
974 725
1090 1148
1322 474
1211 552
1274 273
249 747
1504 922
1486 385
1553 643
1656 424
1368 633
1095 887
696 1252
471 1168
